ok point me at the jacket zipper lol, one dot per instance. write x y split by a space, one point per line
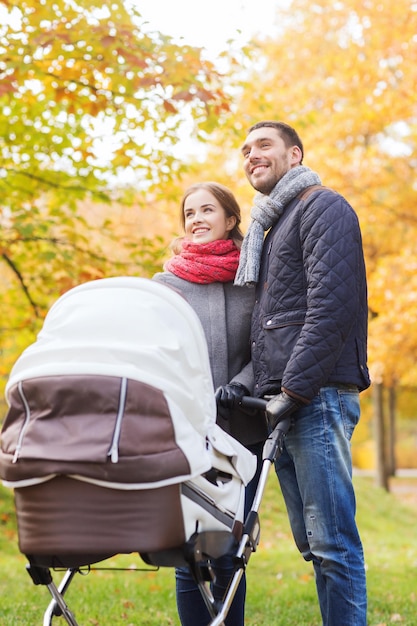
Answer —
25 423
113 453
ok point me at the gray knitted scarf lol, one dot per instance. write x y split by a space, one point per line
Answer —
266 213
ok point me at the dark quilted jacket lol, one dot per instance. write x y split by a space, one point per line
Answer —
309 325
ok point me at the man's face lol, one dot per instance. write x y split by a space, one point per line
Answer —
266 158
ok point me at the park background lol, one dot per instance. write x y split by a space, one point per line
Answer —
110 110
105 120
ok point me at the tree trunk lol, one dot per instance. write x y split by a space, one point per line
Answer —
392 402
381 466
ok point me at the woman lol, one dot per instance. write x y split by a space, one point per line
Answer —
203 269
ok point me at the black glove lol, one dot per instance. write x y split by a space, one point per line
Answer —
281 407
230 395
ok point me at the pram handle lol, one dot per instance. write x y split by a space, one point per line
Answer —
249 402
274 444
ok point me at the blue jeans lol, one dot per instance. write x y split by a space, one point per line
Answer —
191 607
315 475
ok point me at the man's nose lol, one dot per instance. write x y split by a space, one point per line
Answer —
254 153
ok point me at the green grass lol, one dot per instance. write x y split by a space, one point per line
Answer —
281 587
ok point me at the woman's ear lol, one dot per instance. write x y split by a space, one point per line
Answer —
230 223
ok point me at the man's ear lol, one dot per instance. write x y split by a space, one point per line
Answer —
296 155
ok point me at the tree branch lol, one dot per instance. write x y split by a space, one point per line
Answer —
22 283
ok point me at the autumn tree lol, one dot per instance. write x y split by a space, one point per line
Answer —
92 104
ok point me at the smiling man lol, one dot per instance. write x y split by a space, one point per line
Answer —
309 351
269 155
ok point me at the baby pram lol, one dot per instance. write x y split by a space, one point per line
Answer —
111 445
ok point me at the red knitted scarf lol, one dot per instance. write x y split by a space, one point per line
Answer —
205 263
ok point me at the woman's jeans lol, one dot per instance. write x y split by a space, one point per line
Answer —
191 607
315 474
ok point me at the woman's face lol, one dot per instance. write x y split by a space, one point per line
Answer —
205 218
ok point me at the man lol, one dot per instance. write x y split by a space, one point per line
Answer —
309 336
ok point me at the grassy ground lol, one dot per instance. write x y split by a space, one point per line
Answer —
280 585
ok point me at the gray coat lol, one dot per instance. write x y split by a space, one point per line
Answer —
225 314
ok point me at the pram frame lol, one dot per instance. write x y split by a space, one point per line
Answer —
197 552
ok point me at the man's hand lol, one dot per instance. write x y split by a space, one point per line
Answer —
280 407
230 395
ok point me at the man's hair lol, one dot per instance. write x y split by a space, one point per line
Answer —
289 136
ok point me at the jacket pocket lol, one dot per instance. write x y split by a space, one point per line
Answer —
281 331
283 319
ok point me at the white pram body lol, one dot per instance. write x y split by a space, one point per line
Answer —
110 441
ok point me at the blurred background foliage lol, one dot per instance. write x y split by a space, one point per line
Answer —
94 107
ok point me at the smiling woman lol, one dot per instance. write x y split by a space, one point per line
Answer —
205 218
209 250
